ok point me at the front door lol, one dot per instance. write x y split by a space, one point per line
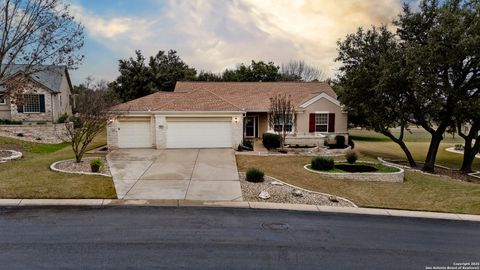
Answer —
251 126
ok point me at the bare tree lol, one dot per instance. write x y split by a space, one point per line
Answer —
281 116
37 34
93 113
301 71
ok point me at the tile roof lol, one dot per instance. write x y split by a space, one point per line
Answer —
256 95
225 96
201 100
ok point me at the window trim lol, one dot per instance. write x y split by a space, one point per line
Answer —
327 124
4 100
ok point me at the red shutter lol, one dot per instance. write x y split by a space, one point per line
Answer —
311 123
331 122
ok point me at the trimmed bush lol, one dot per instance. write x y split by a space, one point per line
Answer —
254 175
340 141
271 140
322 163
63 118
351 156
351 143
95 165
9 122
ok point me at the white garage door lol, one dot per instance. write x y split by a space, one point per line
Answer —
134 134
199 135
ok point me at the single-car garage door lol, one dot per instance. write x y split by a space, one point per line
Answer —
134 134
199 134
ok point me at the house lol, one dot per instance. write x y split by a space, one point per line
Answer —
222 114
46 95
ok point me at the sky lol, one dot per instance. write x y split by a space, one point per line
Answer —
212 35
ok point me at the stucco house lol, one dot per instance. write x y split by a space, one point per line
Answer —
46 95
222 114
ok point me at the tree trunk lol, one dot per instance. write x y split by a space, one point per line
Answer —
404 147
437 138
469 153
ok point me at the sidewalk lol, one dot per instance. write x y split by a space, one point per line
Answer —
100 203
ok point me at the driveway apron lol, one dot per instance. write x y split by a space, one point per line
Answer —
181 174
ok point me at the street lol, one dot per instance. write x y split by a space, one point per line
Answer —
221 238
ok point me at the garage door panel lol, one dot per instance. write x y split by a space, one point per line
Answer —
199 135
135 134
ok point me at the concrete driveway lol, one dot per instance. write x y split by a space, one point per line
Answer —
189 174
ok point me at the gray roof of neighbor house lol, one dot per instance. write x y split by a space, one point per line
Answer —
49 76
226 96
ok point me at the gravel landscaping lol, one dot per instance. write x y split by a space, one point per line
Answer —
82 167
4 154
283 193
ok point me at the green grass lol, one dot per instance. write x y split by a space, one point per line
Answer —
370 147
380 168
31 177
418 192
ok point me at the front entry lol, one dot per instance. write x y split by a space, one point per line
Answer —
251 126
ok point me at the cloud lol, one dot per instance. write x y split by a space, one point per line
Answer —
213 35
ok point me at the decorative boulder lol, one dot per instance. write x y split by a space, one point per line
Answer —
264 195
276 183
297 193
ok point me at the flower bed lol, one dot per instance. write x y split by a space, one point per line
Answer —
7 155
71 166
363 171
281 192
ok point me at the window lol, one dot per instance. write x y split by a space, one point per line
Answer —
31 103
279 126
321 122
3 100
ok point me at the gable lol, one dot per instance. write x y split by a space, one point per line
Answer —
319 97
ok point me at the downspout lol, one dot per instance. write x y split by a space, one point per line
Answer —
51 105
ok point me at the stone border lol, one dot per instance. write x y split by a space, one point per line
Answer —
393 177
15 155
52 167
105 203
452 150
311 191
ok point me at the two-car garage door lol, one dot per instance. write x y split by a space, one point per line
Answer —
199 134
180 133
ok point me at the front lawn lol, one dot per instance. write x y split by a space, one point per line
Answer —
418 192
31 177
372 145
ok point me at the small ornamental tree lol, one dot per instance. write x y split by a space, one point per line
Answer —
92 114
281 116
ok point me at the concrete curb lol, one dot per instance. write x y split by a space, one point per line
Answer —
103 203
52 167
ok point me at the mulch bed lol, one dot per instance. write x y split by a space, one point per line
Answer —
84 166
283 194
11 147
455 174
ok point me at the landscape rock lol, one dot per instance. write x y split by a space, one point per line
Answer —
276 183
264 195
297 192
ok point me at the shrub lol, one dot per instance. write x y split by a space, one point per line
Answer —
95 165
254 175
351 143
322 163
63 118
248 143
271 141
351 156
340 141
20 134
9 122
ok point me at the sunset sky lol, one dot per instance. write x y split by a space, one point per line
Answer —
213 35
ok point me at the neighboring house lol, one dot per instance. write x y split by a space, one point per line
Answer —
46 95
222 114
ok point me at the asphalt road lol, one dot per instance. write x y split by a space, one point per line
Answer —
213 238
